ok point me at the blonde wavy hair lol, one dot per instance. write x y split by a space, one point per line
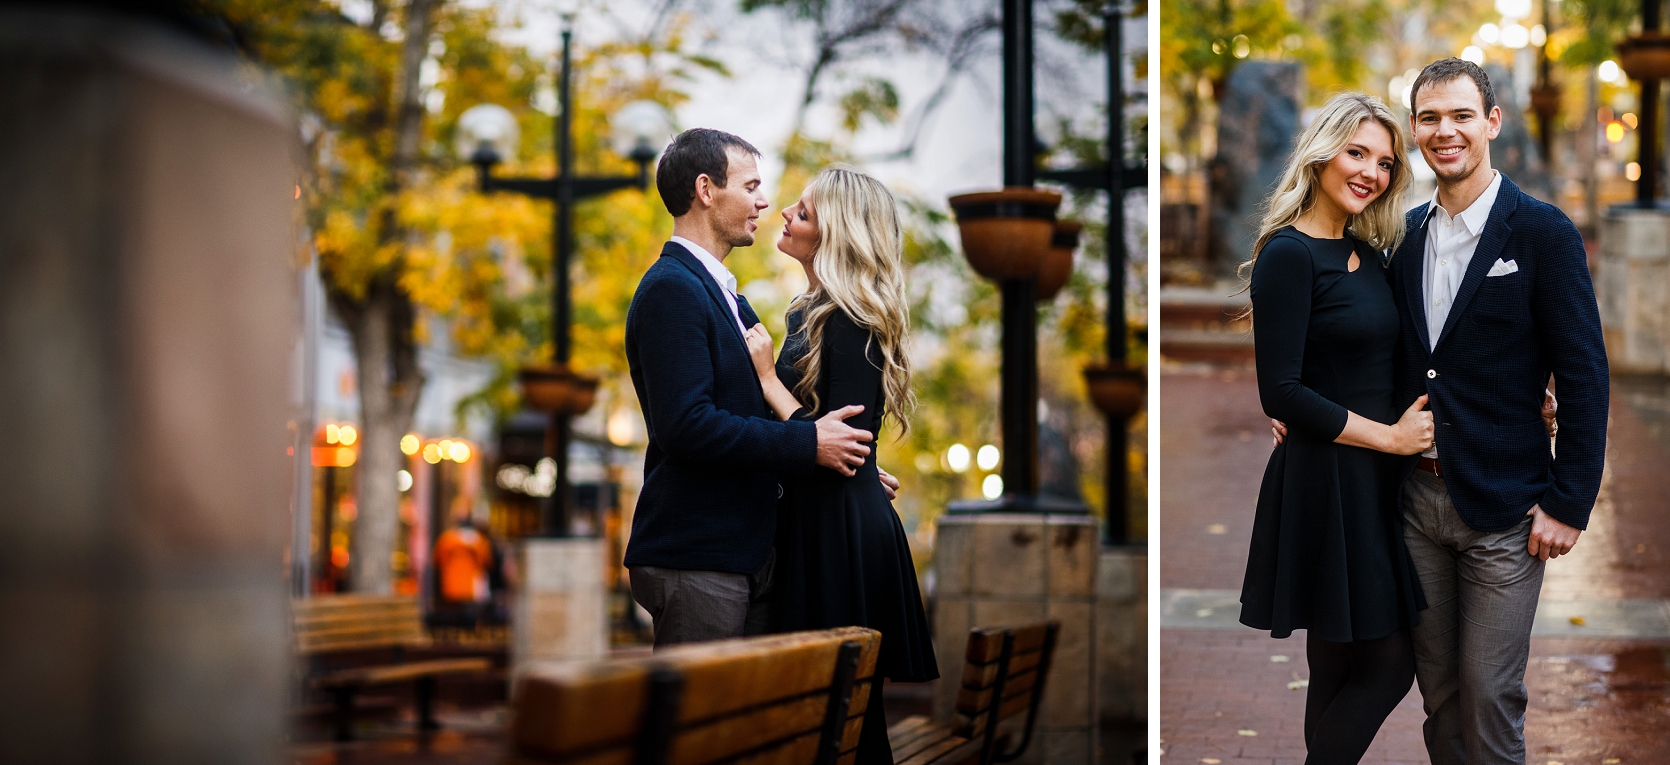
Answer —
1381 223
860 270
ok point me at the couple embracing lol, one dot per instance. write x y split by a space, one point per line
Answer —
1413 497
762 508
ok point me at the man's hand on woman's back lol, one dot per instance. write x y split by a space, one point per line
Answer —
841 447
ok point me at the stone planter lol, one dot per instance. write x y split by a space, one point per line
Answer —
1057 264
1006 233
557 389
1645 56
1118 392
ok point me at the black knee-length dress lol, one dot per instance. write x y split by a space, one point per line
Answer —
842 555
1327 544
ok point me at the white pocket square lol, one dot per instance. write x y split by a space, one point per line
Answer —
1503 268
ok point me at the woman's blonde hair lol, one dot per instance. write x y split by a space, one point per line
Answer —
860 270
1381 223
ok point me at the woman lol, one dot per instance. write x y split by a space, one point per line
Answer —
1327 545
842 557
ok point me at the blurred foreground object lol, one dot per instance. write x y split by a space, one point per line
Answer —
145 320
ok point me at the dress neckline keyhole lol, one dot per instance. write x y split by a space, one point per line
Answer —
1352 263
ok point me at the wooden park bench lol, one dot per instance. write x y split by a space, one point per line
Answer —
1004 669
780 699
329 629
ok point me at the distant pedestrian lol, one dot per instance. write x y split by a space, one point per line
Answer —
464 558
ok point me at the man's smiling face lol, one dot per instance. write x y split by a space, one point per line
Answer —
1452 129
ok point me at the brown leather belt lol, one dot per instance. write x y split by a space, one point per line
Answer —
1430 465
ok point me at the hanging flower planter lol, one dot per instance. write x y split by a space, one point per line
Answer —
557 389
1006 233
1545 100
1645 56
1116 391
1057 264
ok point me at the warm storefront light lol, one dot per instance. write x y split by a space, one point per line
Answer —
347 435
333 434
432 453
409 444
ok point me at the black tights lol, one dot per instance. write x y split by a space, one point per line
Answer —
1353 687
873 748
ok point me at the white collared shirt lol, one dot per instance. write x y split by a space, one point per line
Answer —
1451 241
721 276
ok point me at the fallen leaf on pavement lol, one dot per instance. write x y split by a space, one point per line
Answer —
1278 659
1245 732
1612 760
1216 528
1203 613
1210 760
1578 620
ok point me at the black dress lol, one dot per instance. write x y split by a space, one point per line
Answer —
1327 544
842 556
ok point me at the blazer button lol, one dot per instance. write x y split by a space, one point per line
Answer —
1431 373
779 491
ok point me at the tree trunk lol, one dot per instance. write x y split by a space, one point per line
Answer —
385 352
381 327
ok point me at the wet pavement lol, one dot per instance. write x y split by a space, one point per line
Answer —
1599 677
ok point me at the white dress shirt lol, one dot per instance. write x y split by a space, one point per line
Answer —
1451 241
721 276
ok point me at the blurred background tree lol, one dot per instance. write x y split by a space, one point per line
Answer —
407 248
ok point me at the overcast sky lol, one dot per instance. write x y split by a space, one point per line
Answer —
961 146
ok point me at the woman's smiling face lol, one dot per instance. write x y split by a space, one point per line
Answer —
1361 172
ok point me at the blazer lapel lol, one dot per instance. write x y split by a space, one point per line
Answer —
1414 272
677 252
1495 237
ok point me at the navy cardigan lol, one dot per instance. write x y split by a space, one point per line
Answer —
1503 337
709 501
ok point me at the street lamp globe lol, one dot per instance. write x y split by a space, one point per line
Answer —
487 134
640 130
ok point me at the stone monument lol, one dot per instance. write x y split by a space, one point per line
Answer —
1258 118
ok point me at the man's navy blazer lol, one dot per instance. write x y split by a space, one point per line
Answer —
1503 337
709 501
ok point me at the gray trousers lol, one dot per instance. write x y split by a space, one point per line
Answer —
1474 639
693 606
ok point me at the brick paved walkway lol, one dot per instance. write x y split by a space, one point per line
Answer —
1594 701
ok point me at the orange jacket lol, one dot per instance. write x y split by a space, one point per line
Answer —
463 556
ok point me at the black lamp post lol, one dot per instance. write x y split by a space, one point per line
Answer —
1020 339
1115 388
555 388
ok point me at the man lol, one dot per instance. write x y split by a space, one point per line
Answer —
1493 295
701 548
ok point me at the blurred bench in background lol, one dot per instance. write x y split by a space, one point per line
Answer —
1004 669
331 630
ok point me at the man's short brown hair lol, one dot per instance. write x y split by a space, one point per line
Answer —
692 154
1445 70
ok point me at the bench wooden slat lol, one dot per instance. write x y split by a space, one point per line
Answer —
397 672
951 749
911 742
983 675
976 727
563 710
985 643
972 702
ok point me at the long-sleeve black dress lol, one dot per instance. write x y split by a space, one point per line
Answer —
1327 544
842 556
